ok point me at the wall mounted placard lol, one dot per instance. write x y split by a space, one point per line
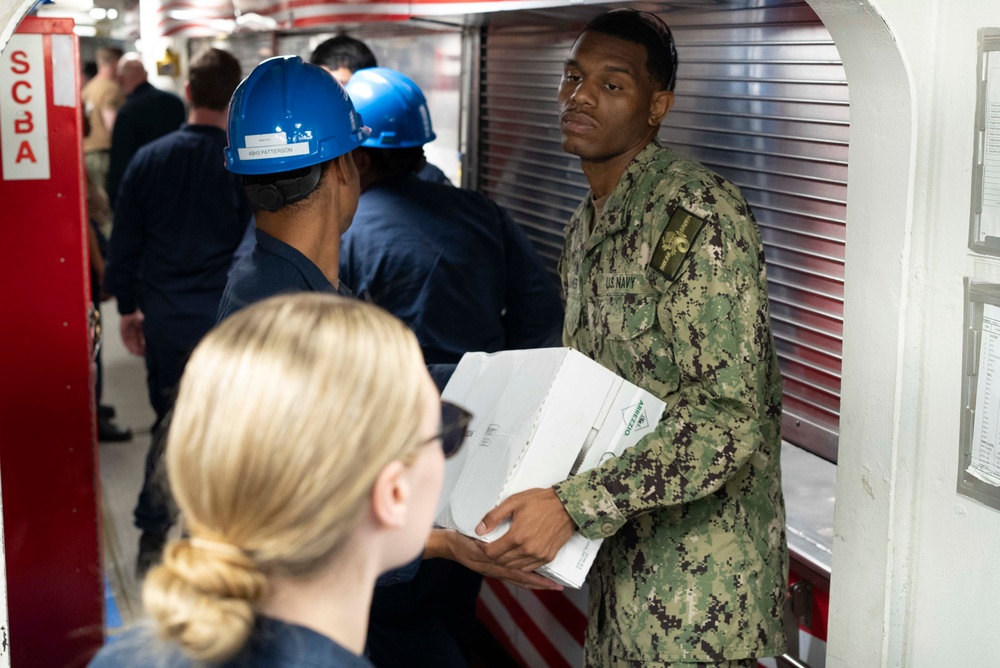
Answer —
979 451
984 230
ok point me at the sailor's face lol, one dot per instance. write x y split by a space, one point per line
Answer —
605 98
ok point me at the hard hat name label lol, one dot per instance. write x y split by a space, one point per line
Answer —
264 152
269 139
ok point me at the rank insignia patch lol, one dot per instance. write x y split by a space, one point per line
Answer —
675 243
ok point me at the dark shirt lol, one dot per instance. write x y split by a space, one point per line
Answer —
428 173
453 266
272 644
272 268
147 114
433 174
178 220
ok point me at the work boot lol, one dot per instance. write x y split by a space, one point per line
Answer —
150 552
109 432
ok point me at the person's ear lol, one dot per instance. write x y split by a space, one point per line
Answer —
363 160
187 91
390 496
341 168
659 105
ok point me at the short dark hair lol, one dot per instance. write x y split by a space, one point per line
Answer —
393 162
213 76
648 30
343 51
108 55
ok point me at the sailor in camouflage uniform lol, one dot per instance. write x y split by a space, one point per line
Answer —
665 285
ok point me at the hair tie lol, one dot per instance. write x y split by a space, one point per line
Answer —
224 549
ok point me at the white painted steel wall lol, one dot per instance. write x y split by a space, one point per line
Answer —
919 575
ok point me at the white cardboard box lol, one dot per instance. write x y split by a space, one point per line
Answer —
540 416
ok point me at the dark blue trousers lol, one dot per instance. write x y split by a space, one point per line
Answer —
164 366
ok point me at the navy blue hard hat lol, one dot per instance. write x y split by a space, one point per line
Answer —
289 114
393 106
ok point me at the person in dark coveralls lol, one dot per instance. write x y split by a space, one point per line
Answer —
342 56
179 217
148 113
296 489
453 266
292 131
665 283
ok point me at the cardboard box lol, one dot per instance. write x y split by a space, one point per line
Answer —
540 416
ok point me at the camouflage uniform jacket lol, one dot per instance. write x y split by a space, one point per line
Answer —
669 291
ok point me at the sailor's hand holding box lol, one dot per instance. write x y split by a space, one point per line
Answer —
539 528
540 417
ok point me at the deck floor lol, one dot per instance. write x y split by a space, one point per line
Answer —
122 465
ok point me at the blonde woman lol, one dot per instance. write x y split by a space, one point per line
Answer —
307 454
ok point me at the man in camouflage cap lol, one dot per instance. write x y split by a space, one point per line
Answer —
665 285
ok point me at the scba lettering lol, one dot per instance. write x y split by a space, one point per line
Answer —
24 125
24 128
20 92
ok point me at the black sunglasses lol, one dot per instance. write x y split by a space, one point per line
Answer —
454 420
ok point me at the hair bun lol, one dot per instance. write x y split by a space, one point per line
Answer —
202 597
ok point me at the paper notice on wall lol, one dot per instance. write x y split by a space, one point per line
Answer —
989 222
985 463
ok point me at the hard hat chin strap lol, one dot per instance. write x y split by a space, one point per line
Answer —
274 194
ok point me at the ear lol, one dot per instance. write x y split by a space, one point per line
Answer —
342 168
363 160
390 496
659 105
187 91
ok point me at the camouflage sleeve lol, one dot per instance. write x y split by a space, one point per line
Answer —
703 358
567 339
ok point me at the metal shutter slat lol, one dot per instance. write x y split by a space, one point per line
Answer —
784 143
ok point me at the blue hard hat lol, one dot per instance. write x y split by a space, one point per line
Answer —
287 115
393 106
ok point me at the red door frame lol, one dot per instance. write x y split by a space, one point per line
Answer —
48 454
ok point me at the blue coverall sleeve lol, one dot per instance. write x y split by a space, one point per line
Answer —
124 144
126 246
534 314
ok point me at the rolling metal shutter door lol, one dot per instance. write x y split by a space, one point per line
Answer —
761 99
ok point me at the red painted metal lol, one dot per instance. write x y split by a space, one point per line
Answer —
536 636
48 455
820 617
